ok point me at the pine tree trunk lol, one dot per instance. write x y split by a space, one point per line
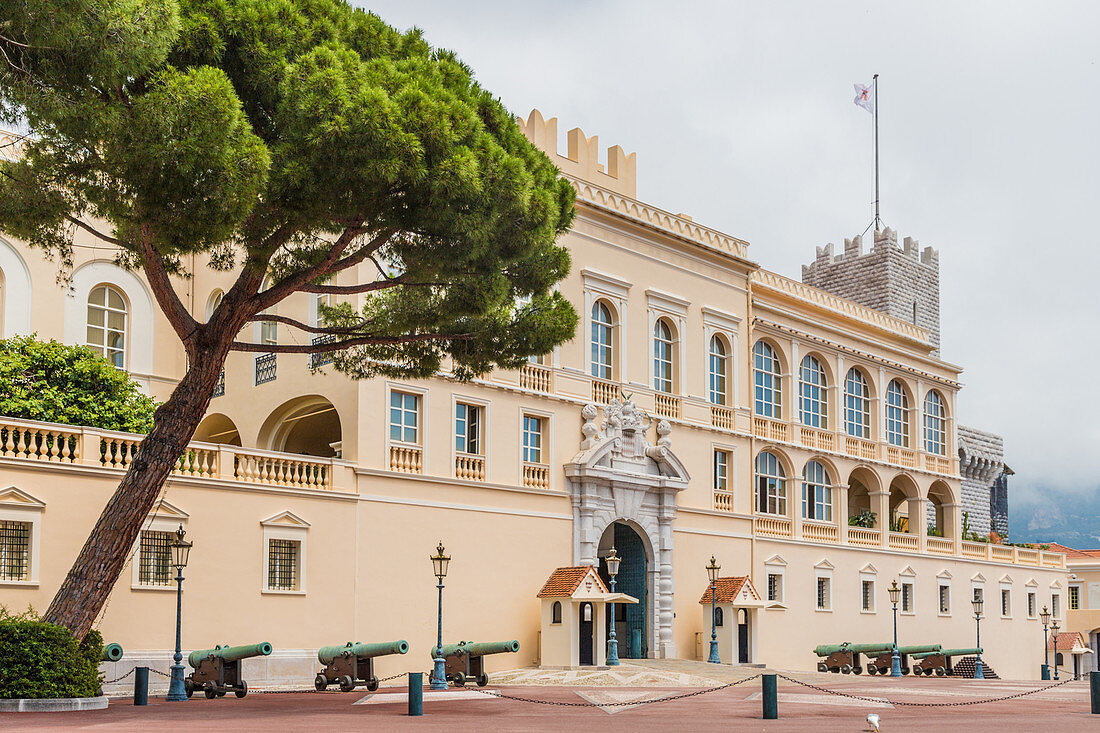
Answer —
85 590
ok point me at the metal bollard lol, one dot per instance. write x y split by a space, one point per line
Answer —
1094 691
141 685
770 689
416 693
1045 672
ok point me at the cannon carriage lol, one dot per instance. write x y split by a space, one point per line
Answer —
218 670
879 661
351 664
464 660
939 662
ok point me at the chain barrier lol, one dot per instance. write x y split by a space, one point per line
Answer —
923 704
118 679
586 704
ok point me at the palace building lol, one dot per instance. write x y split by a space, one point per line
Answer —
804 434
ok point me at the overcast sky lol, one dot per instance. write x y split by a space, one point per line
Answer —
741 115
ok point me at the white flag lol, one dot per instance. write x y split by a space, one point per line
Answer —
865 97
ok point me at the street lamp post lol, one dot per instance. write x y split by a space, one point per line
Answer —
1044 616
179 550
1054 632
612 561
439 566
978 603
895 660
712 573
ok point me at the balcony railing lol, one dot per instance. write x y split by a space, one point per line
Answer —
603 392
721 417
819 439
976 550
901 456
536 475
667 405
818 532
769 429
723 501
771 526
938 464
903 541
536 378
864 537
470 467
860 448
406 459
265 368
940 545
317 360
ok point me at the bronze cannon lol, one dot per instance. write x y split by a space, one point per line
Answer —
352 663
218 670
463 660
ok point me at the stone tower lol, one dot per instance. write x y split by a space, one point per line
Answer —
902 282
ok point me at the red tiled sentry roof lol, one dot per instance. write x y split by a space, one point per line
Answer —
1067 641
1071 552
564 582
726 590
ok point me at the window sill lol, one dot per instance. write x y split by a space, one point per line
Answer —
162 588
870 612
823 610
277 592
19 583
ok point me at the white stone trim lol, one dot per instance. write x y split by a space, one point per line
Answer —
140 319
17 505
15 279
284 526
163 517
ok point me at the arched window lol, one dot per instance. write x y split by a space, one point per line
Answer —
857 405
767 380
556 613
813 406
718 616
213 302
719 369
107 324
662 356
935 424
897 415
817 492
602 352
771 485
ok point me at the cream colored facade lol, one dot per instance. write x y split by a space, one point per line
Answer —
672 473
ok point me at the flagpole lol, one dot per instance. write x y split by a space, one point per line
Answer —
878 220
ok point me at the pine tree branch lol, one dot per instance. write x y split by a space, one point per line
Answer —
174 310
322 348
336 330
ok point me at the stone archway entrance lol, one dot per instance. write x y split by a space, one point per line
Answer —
633 579
620 478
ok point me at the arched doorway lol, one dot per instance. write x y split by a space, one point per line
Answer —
742 636
631 628
586 635
941 518
218 428
906 512
307 425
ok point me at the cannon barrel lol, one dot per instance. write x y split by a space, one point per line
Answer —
949 653
326 654
824 650
478 649
911 650
112 652
230 653
868 648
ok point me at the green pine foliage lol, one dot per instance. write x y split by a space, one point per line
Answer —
73 385
42 660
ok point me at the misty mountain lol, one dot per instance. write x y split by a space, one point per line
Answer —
1044 514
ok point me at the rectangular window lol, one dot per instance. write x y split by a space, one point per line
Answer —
1006 602
15 550
467 428
1031 604
532 439
945 599
979 595
775 587
269 333
823 594
1056 605
404 417
155 558
1074 598
771 494
721 470
868 595
906 597
282 564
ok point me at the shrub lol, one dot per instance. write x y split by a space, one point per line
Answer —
39 659
866 518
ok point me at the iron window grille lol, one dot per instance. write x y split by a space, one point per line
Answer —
823 594
868 595
945 599
265 368
15 550
316 360
154 558
775 587
282 565
906 597
219 386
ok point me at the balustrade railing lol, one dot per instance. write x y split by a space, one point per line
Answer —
938 464
298 472
769 429
721 417
470 467
39 443
536 377
901 456
815 438
903 541
974 550
771 526
864 537
723 501
603 392
406 459
817 532
860 448
940 545
536 475
667 405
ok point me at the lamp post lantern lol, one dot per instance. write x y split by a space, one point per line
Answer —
1054 632
179 550
1044 616
895 660
978 603
712 573
439 566
612 561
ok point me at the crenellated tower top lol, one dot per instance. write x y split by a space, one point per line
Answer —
582 159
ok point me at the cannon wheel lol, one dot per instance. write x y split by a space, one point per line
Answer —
872 670
822 667
242 690
372 684
210 690
857 669
221 692
482 679
460 679
320 683
846 669
940 671
905 670
347 684
189 688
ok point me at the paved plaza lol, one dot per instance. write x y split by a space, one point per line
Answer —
627 698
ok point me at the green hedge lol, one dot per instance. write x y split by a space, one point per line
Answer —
39 659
